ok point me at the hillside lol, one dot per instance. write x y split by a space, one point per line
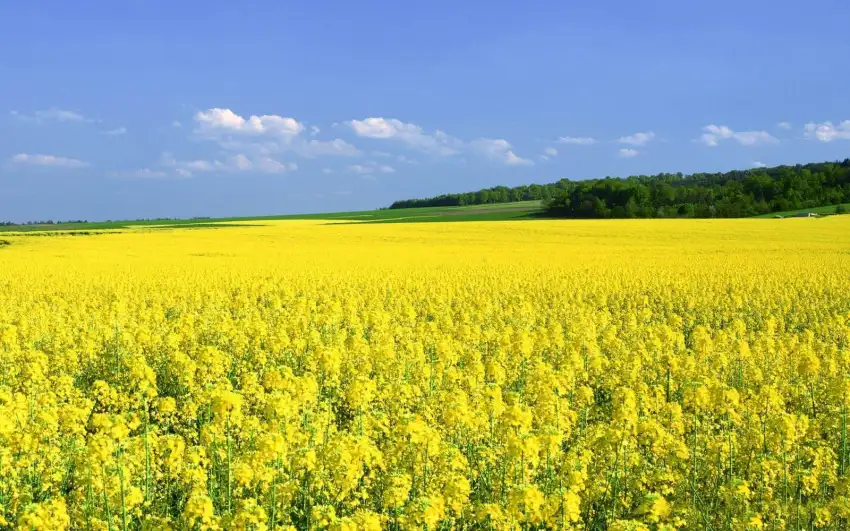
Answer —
739 193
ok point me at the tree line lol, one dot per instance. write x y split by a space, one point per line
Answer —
739 193
47 222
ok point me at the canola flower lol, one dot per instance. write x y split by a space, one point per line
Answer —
521 375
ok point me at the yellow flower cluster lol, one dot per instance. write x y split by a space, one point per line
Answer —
651 374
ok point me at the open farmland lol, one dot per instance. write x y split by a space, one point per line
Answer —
545 374
489 212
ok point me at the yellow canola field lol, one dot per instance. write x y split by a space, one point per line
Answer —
631 374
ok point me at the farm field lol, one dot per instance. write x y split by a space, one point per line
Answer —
822 210
300 374
491 212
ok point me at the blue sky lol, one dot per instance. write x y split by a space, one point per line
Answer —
114 110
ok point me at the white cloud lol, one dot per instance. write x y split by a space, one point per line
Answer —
548 153
335 148
186 168
714 134
217 120
577 140
383 128
757 164
235 163
61 116
751 138
314 130
327 171
512 159
198 165
628 153
784 125
262 136
53 115
637 139
116 132
176 124
241 162
48 160
144 173
712 139
370 168
826 132
406 160
499 149
438 143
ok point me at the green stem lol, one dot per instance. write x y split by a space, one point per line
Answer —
121 492
229 458
842 465
106 498
147 454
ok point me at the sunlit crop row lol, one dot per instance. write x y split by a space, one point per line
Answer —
512 375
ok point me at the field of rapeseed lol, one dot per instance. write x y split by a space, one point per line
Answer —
530 375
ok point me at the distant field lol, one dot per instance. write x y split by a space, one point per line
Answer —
492 212
828 209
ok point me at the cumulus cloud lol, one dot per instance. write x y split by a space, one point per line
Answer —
53 115
784 125
757 164
265 135
637 139
628 153
577 140
261 136
48 160
438 143
827 132
217 120
116 132
714 134
500 150
383 128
